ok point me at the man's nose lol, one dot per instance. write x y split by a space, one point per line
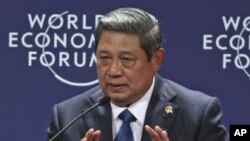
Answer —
115 69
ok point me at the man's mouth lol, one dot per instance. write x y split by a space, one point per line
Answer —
115 87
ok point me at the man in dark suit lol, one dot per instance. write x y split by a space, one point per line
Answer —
129 53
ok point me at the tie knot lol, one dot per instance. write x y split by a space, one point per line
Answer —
127 116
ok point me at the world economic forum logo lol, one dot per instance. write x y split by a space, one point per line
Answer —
62 42
234 43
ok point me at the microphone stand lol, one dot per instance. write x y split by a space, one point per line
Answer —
102 102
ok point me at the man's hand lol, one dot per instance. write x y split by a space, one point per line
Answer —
157 134
92 135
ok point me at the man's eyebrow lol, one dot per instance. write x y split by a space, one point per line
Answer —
123 52
126 52
102 51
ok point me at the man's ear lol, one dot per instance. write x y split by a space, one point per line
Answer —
157 58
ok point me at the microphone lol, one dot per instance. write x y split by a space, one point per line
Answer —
101 102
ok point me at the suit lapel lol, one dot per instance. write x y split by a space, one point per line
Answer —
161 111
100 119
105 123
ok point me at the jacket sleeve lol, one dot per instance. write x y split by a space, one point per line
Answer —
54 125
211 128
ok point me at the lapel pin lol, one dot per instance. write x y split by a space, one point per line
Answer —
169 109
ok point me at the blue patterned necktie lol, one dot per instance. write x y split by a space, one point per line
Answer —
125 132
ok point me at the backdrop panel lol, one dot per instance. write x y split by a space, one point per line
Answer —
46 55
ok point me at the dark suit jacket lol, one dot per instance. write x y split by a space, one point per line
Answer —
195 116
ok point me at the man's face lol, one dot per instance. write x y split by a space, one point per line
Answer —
124 72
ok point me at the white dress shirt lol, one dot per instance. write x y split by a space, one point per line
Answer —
138 109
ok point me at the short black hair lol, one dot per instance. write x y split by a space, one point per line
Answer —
133 21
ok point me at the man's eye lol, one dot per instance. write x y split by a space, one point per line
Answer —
104 60
126 59
104 57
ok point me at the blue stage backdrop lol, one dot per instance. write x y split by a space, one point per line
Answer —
46 55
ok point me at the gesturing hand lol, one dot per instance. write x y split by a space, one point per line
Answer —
92 135
157 134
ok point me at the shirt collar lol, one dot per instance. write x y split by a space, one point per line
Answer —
138 109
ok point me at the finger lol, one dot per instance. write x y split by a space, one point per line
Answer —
163 134
84 139
153 134
158 129
96 135
89 135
